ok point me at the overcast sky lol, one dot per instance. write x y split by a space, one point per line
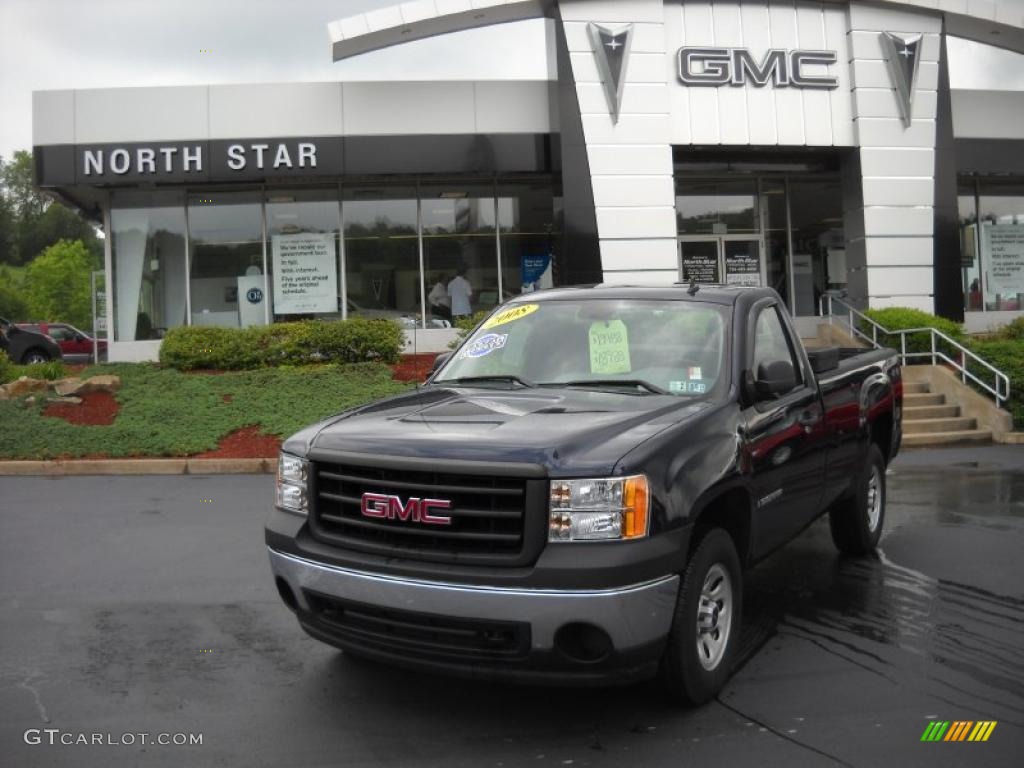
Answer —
55 44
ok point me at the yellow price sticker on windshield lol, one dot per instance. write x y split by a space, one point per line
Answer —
510 314
609 347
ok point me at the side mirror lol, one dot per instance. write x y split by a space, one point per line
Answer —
439 361
774 379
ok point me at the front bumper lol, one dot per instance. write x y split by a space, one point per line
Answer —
636 620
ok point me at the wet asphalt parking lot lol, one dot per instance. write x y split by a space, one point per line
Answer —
145 605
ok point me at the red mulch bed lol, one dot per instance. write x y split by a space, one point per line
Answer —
413 367
96 409
244 443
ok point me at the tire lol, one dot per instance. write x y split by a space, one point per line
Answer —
857 520
697 661
35 355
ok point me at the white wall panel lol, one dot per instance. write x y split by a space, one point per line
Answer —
877 18
923 302
727 30
897 161
890 132
841 98
988 114
868 45
643 67
626 191
899 191
154 114
53 117
646 277
390 108
899 251
698 29
631 129
882 102
873 74
880 221
616 11
902 281
275 109
639 254
761 117
512 107
637 99
629 159
643 223
810 31
789 104
679 97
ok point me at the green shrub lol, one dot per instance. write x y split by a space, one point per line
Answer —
50 371
1011 331
355 340
1008 356
901 318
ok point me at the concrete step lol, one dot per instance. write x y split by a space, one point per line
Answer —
922 426
916 387
917 400
947 438
931 412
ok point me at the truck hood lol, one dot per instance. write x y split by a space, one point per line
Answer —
568 431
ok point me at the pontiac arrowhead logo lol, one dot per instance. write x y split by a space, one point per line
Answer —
611 49
903 55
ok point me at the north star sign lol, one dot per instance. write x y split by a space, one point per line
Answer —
167 159
782 68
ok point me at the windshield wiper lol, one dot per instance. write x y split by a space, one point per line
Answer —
509 378
633 383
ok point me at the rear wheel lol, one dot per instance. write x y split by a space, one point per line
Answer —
35 355
705 630
856 521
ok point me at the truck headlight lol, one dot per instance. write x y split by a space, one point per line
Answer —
599 509
292 476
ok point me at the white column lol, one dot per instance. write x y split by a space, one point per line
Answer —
889 212
631 160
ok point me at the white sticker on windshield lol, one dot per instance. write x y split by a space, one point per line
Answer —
485 345
693 372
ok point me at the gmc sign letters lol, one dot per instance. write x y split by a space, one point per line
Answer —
736 66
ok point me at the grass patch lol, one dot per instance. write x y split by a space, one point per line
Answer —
164 412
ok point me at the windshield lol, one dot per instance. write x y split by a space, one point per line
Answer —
664 347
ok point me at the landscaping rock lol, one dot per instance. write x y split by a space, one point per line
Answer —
65 387
66 400
3 393
23 386
98 384
30 401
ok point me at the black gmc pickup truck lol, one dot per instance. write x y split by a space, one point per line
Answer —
574 493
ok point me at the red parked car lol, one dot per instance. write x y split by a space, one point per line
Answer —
75 345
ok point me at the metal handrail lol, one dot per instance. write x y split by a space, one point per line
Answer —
1000 393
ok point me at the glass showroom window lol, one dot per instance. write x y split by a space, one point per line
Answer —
776 236
819 241
460 250
226 246
722 207
303 259
382 265
149 263
526 219
1001 243
967 202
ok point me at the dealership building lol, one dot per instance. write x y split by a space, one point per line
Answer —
814 147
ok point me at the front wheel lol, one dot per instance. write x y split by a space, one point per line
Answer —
33 356
856 521
705 630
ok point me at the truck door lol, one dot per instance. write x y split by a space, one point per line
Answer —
784 437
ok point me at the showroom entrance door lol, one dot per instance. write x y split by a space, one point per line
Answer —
729 259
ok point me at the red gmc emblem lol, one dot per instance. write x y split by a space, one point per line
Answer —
386 507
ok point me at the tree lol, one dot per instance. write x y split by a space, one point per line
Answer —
13 304
18 179
57 283
56 223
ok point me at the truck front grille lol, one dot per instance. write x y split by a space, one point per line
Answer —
488 513
407 632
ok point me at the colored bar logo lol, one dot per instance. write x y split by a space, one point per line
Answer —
958 730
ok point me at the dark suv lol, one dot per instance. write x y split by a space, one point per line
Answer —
24 346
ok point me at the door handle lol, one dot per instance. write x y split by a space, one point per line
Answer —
809 418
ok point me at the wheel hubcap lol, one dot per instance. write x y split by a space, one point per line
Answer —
714 617
874 499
